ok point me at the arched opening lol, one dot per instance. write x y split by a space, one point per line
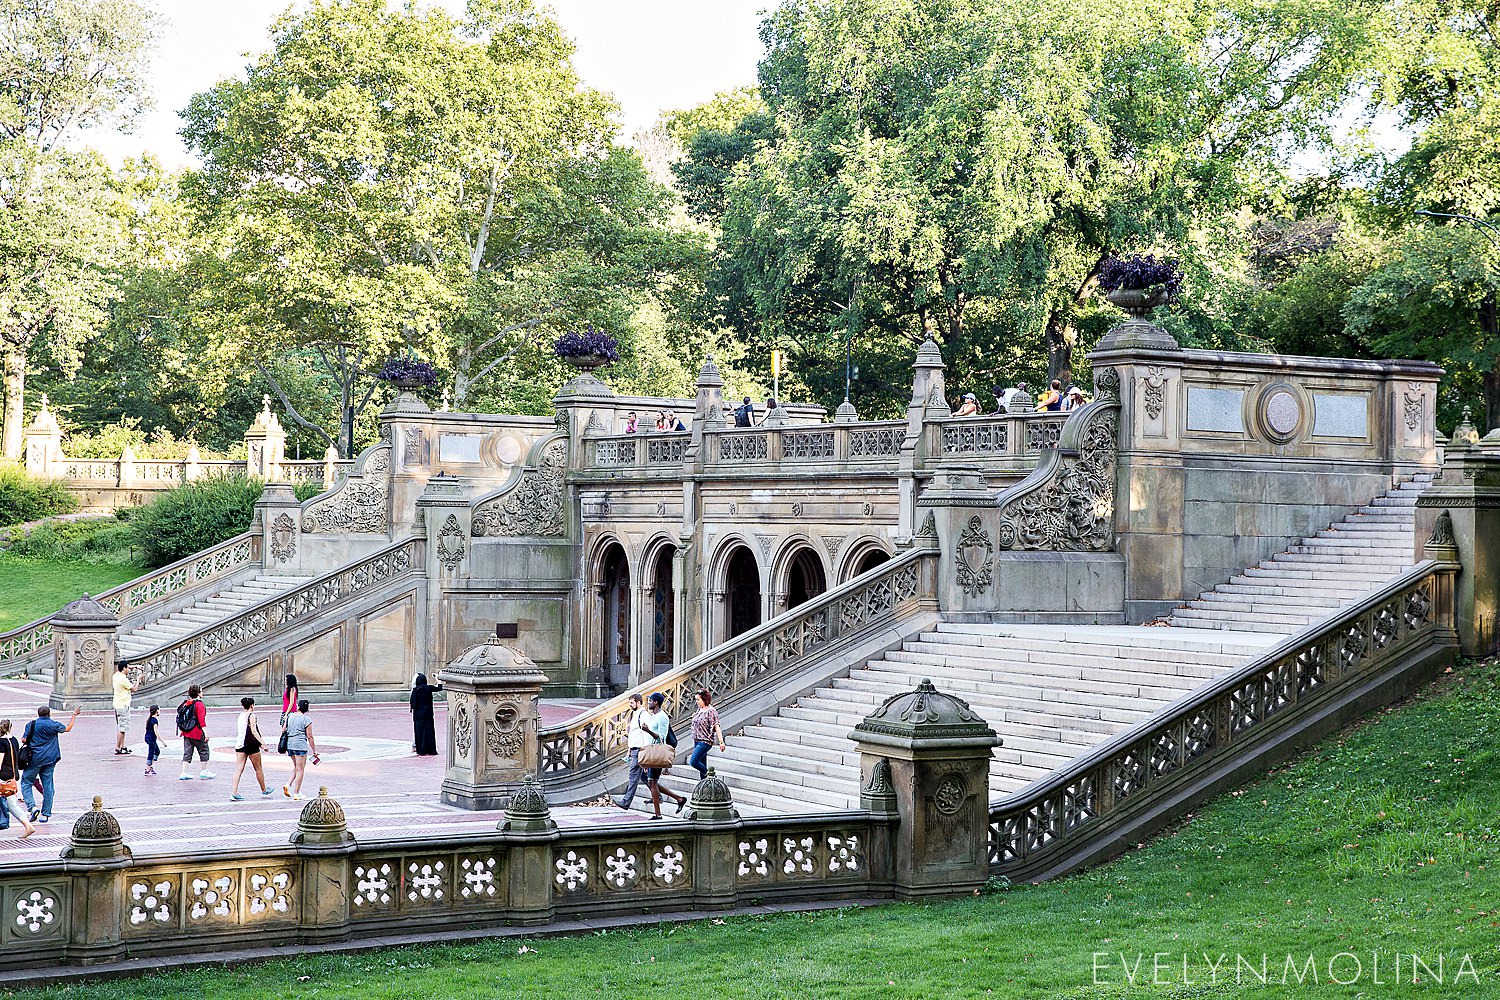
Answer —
741 593
804 578
614 615
663 611
868 561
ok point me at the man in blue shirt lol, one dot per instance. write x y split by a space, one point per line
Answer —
41 736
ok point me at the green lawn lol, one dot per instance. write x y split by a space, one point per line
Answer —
1383 841
31 588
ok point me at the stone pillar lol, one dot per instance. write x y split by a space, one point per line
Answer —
44 455
708 409
325 844
191 468
715 854
330 466
529 833
493 690
446 516
265 444
938 754
1458 520
279 514
929 401
127 467
83 644
98 896
958 508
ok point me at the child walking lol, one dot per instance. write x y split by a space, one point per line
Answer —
153 748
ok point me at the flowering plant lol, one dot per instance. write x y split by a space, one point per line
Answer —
585 343
1141 273
405 371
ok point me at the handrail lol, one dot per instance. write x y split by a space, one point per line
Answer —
275 613
153 588
1044 818
762 656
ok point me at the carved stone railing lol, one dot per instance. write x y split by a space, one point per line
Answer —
277 614
1004 436
858 444
1067 503
756 661
1095 798
360 504
33 642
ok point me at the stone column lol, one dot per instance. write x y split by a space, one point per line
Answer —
265 444
44 455
959 508
83 645
325 845
715 855
493 690
279 514
937 751
529 833
446 516
929 401
1458 520
98 896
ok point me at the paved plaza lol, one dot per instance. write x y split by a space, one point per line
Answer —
367 765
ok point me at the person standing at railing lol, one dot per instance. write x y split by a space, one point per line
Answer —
1073 400
424 736
999 392
706 732
1052 398
1010 394
630 422
969 407
744 416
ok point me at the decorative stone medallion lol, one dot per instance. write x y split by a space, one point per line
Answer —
1281 413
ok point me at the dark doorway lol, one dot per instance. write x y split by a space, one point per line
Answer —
614 615
804 578
662 611
741 592
870 560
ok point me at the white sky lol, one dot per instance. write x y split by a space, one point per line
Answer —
652 55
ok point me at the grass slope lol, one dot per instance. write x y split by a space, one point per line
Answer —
1381 841
31 588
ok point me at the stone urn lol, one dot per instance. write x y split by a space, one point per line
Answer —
1137 303
1138 331
586 363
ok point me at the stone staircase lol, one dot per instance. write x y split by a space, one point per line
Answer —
1319 575
218 607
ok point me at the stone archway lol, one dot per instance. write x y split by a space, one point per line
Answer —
862 557
742 598
805 578
663 612
613 589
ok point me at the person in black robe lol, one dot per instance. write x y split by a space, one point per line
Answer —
424 738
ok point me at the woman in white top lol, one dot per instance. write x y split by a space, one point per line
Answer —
247 748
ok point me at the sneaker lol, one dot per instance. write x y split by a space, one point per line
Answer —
236 798
298 797
184 777
268 791
206 775
44 819
34 814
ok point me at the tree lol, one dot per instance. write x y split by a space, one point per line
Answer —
395 180
65 66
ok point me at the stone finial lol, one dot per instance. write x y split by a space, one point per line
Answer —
878 794
322 822
528 811
1020 402
709 375
45 422
492 656
712 800
85 613
846 413
96 834
929 355
925 716
1465 435
447 400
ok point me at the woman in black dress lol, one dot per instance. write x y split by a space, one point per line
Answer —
424 739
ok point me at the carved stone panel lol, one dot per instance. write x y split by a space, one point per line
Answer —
534 506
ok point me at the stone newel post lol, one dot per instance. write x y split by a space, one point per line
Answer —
492 724
83 644
931 753
265 444
44 454
1458 521
280 516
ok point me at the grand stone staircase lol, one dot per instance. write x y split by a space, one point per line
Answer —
207 611
1054 692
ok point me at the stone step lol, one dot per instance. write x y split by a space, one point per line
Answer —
1131 636
1335 558
1083 714
1159 657
1254 600
1287 585
1018 689
1146 685
1042 665
1290 618
1217 623
1311 571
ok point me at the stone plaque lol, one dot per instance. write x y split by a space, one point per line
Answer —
1216 410
1341 415
459 448
386 650
316 663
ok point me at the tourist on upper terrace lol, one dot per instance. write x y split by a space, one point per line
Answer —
40 735
299 743
1052 398
424 737
706 732
999 392
1010 394
655 722
124 687
969 407
1073 399
630 422
744 416
673 423
247 747
637 737
10 780
771 404
192 723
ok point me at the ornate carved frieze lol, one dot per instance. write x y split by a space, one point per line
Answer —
1156 390
975 556
283 537
358 504
1069 504
534 506
450 543
1411 405
1107 384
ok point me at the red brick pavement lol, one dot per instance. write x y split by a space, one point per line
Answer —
367 764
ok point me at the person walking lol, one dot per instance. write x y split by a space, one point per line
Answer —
299 743
153 744
124 687
656 723
247 747
192 724
10 780
637 737
423 735
706 732
41 736
290 695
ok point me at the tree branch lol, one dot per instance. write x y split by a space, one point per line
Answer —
291 410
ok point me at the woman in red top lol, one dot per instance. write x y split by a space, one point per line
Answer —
706 732
288 698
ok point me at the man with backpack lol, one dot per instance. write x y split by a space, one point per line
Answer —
39 757
745 415
192 723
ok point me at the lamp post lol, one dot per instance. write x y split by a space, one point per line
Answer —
1489 229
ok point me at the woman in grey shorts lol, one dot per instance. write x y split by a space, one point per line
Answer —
299 743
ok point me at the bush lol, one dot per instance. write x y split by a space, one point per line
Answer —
306 491
101 541
194 516
25 499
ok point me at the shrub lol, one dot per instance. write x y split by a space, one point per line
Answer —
1141 273
193 517
586 342
97 540
25 499
306 491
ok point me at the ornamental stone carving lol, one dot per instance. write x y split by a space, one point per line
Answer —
1156 390
360 503
534 506
322 822
463 731
1068 503
450 543
1107 384
507 731
1442 530
1411 405
96 834
283 537
975 556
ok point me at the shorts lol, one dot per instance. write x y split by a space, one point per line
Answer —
122 719
189 745
296 753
